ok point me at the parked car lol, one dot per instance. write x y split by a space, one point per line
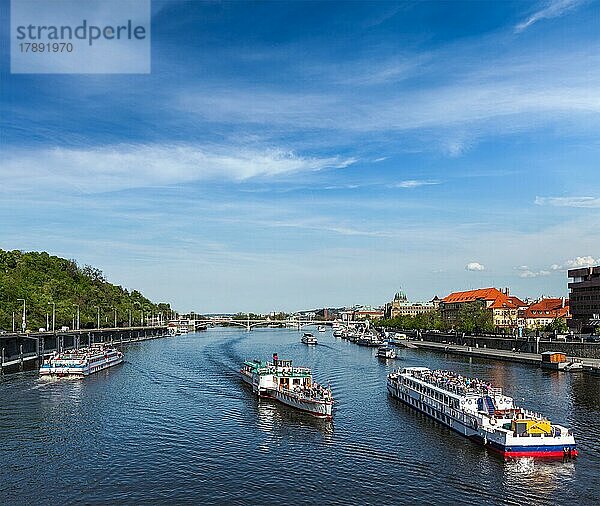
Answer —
592 339
64 328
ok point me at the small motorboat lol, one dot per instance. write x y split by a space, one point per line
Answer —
338 333
308 338
386 352
576 365
321 328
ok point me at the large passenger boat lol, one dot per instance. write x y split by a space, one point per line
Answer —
81 362
481 412
290 385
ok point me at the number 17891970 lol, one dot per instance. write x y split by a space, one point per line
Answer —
46 47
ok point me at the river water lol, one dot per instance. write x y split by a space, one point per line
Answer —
175 424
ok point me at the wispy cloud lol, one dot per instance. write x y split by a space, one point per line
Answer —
583 202
413 183
478 103
526 272
551 9
474 267
122 166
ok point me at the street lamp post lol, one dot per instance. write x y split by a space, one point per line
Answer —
138 303
115 310
77 306
98 324
24 321
13 322
53 315
129 318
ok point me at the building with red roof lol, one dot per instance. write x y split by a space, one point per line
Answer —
503 306
545 311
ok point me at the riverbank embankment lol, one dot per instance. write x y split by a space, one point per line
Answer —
589 364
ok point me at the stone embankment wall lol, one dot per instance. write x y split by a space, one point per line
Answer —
527 345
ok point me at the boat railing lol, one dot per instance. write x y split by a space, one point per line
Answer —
311 394
532 414
295 370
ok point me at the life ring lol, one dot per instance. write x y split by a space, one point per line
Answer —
493 421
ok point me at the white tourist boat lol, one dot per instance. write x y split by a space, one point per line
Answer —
173 329
481 412
386 351
308 338
292 386
81 362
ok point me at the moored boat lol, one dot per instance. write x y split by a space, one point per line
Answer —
308 338
321 328
290 385
481 412
81 362
372 340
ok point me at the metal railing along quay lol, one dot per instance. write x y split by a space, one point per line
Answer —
21 350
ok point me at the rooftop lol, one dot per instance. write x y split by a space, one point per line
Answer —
550 307
499 299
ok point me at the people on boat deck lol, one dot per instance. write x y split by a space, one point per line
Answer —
452 381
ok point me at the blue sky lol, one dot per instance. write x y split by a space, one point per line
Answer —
291 155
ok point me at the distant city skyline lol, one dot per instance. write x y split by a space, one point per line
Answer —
284 156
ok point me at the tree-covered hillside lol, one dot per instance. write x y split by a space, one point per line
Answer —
41 279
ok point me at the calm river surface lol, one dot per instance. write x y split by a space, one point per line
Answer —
174 424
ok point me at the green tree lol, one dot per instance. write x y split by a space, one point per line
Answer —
558 325
42 279
474 317
423 321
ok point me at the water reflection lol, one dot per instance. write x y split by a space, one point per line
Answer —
274 417
173 425
586 390
542 478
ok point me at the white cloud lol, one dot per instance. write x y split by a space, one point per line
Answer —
575 263
474 266
121 166
586 261
552 9
581 202
526 273
413 183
